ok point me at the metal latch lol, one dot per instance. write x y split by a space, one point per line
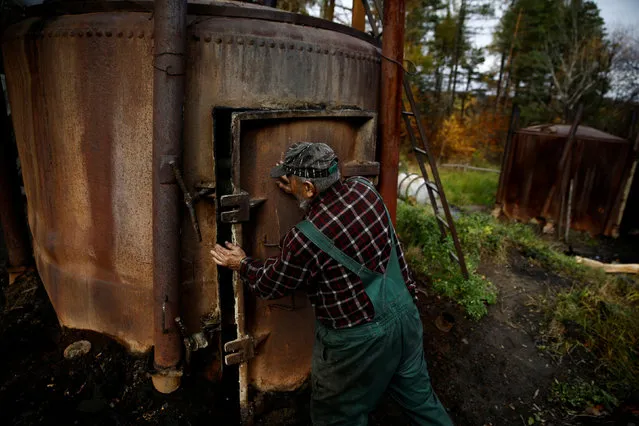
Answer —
192 343
243 349
244 204
204 189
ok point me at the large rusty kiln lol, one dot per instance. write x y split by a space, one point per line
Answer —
80 80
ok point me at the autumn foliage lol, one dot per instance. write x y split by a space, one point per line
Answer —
478 137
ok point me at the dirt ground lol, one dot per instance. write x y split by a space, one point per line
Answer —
486 373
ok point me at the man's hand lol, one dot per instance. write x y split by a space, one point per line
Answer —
230 257
283 182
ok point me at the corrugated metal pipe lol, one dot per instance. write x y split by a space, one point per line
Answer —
168 97
412 185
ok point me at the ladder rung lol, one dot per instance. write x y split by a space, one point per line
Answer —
432 186
421 151
453 256
408 113
443 221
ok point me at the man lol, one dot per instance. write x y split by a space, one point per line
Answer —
346 256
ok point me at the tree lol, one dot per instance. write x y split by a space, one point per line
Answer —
461 45
328 9
471 62
576 55
297 6
624 69
525 72
422 20
560 57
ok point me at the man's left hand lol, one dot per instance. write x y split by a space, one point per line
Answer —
230 257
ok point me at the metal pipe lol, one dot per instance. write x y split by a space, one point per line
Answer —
168 96
12 216
391 101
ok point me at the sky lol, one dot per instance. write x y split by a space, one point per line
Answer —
619 13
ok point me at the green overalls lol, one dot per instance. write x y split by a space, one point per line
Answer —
353 367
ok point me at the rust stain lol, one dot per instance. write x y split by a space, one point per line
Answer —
96 146
84 143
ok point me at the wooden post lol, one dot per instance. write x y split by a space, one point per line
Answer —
359 15
561 167
625 188
505 159
391 101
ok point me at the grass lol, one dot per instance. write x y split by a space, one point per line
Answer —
579 394
598 313
602 318
482 238
470 187
428 256
462 188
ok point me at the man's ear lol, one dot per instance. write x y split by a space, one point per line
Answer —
309 189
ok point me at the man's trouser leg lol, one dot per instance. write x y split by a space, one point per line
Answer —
350 372
352 369
411 386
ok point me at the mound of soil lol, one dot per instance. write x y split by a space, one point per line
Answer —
107 386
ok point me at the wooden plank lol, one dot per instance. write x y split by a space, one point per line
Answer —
561 167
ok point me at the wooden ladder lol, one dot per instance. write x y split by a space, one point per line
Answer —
422 152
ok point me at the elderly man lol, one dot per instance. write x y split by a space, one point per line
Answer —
346 256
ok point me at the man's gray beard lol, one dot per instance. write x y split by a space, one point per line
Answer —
304 204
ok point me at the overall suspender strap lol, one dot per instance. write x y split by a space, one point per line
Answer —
327 246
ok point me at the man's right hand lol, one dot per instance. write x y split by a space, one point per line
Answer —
284 183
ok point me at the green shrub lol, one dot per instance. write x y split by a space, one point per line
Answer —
428 255
604 318
579 395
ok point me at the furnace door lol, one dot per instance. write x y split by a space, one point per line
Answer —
282 361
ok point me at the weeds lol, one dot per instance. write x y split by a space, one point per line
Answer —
601 311
579 394
604 319
428 255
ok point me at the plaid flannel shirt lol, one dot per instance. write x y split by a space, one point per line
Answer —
354 218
